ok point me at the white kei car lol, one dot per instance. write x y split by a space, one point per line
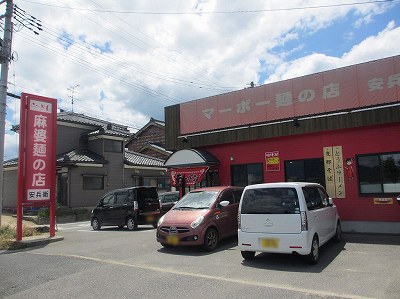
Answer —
286 218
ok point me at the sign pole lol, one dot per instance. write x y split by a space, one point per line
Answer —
21 166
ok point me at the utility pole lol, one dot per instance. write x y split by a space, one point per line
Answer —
5 57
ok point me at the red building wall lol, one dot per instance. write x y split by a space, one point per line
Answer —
366 140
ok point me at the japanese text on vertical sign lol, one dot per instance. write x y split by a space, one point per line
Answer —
334 177
39 153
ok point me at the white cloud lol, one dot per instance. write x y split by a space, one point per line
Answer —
382 45
10 146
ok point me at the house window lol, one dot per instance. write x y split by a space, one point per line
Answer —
137 181
379 173
148 181
308 170
163 183
247 174
114 146
93 182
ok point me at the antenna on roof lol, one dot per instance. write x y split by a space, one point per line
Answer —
72 95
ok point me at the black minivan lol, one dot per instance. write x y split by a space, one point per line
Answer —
129 206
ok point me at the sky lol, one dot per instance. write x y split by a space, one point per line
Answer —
124 61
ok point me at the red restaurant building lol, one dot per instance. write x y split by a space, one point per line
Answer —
340 128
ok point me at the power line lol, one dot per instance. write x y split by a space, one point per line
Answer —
177 53
218 12
212 86
137 69
126 123
77 59
26 20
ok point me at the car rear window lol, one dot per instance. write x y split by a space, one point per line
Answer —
170 198
270 201
148 195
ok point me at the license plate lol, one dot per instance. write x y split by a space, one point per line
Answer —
172 240
270 243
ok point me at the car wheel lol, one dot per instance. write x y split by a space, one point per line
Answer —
314 253
210 239
338 235
96 224
248 255
131 224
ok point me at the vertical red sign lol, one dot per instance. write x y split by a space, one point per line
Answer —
37 152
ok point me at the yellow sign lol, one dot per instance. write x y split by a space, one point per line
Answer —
339 172
272 161
383 201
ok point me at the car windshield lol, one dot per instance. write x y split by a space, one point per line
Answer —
197 200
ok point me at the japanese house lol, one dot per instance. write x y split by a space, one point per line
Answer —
92 160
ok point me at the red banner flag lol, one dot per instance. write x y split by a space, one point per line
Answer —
192 175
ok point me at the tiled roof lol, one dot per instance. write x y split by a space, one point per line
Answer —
111 132
156 146
80 156
137 159
152 121
101 127
104 127
10 163
87 156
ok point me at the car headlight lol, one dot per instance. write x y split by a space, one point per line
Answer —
197 222
160 220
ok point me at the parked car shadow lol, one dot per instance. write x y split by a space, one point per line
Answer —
382 239
295 262
125 229
226 244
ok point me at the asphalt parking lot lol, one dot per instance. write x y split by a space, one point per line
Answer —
361 266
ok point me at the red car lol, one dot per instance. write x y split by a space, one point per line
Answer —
202 217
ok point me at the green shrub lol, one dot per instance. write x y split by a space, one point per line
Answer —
80 211
9 233
6 233
62 211
44 213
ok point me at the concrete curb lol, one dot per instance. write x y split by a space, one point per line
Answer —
39 240
31 242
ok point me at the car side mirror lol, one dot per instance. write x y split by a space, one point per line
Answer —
398 199
330 201
224 203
